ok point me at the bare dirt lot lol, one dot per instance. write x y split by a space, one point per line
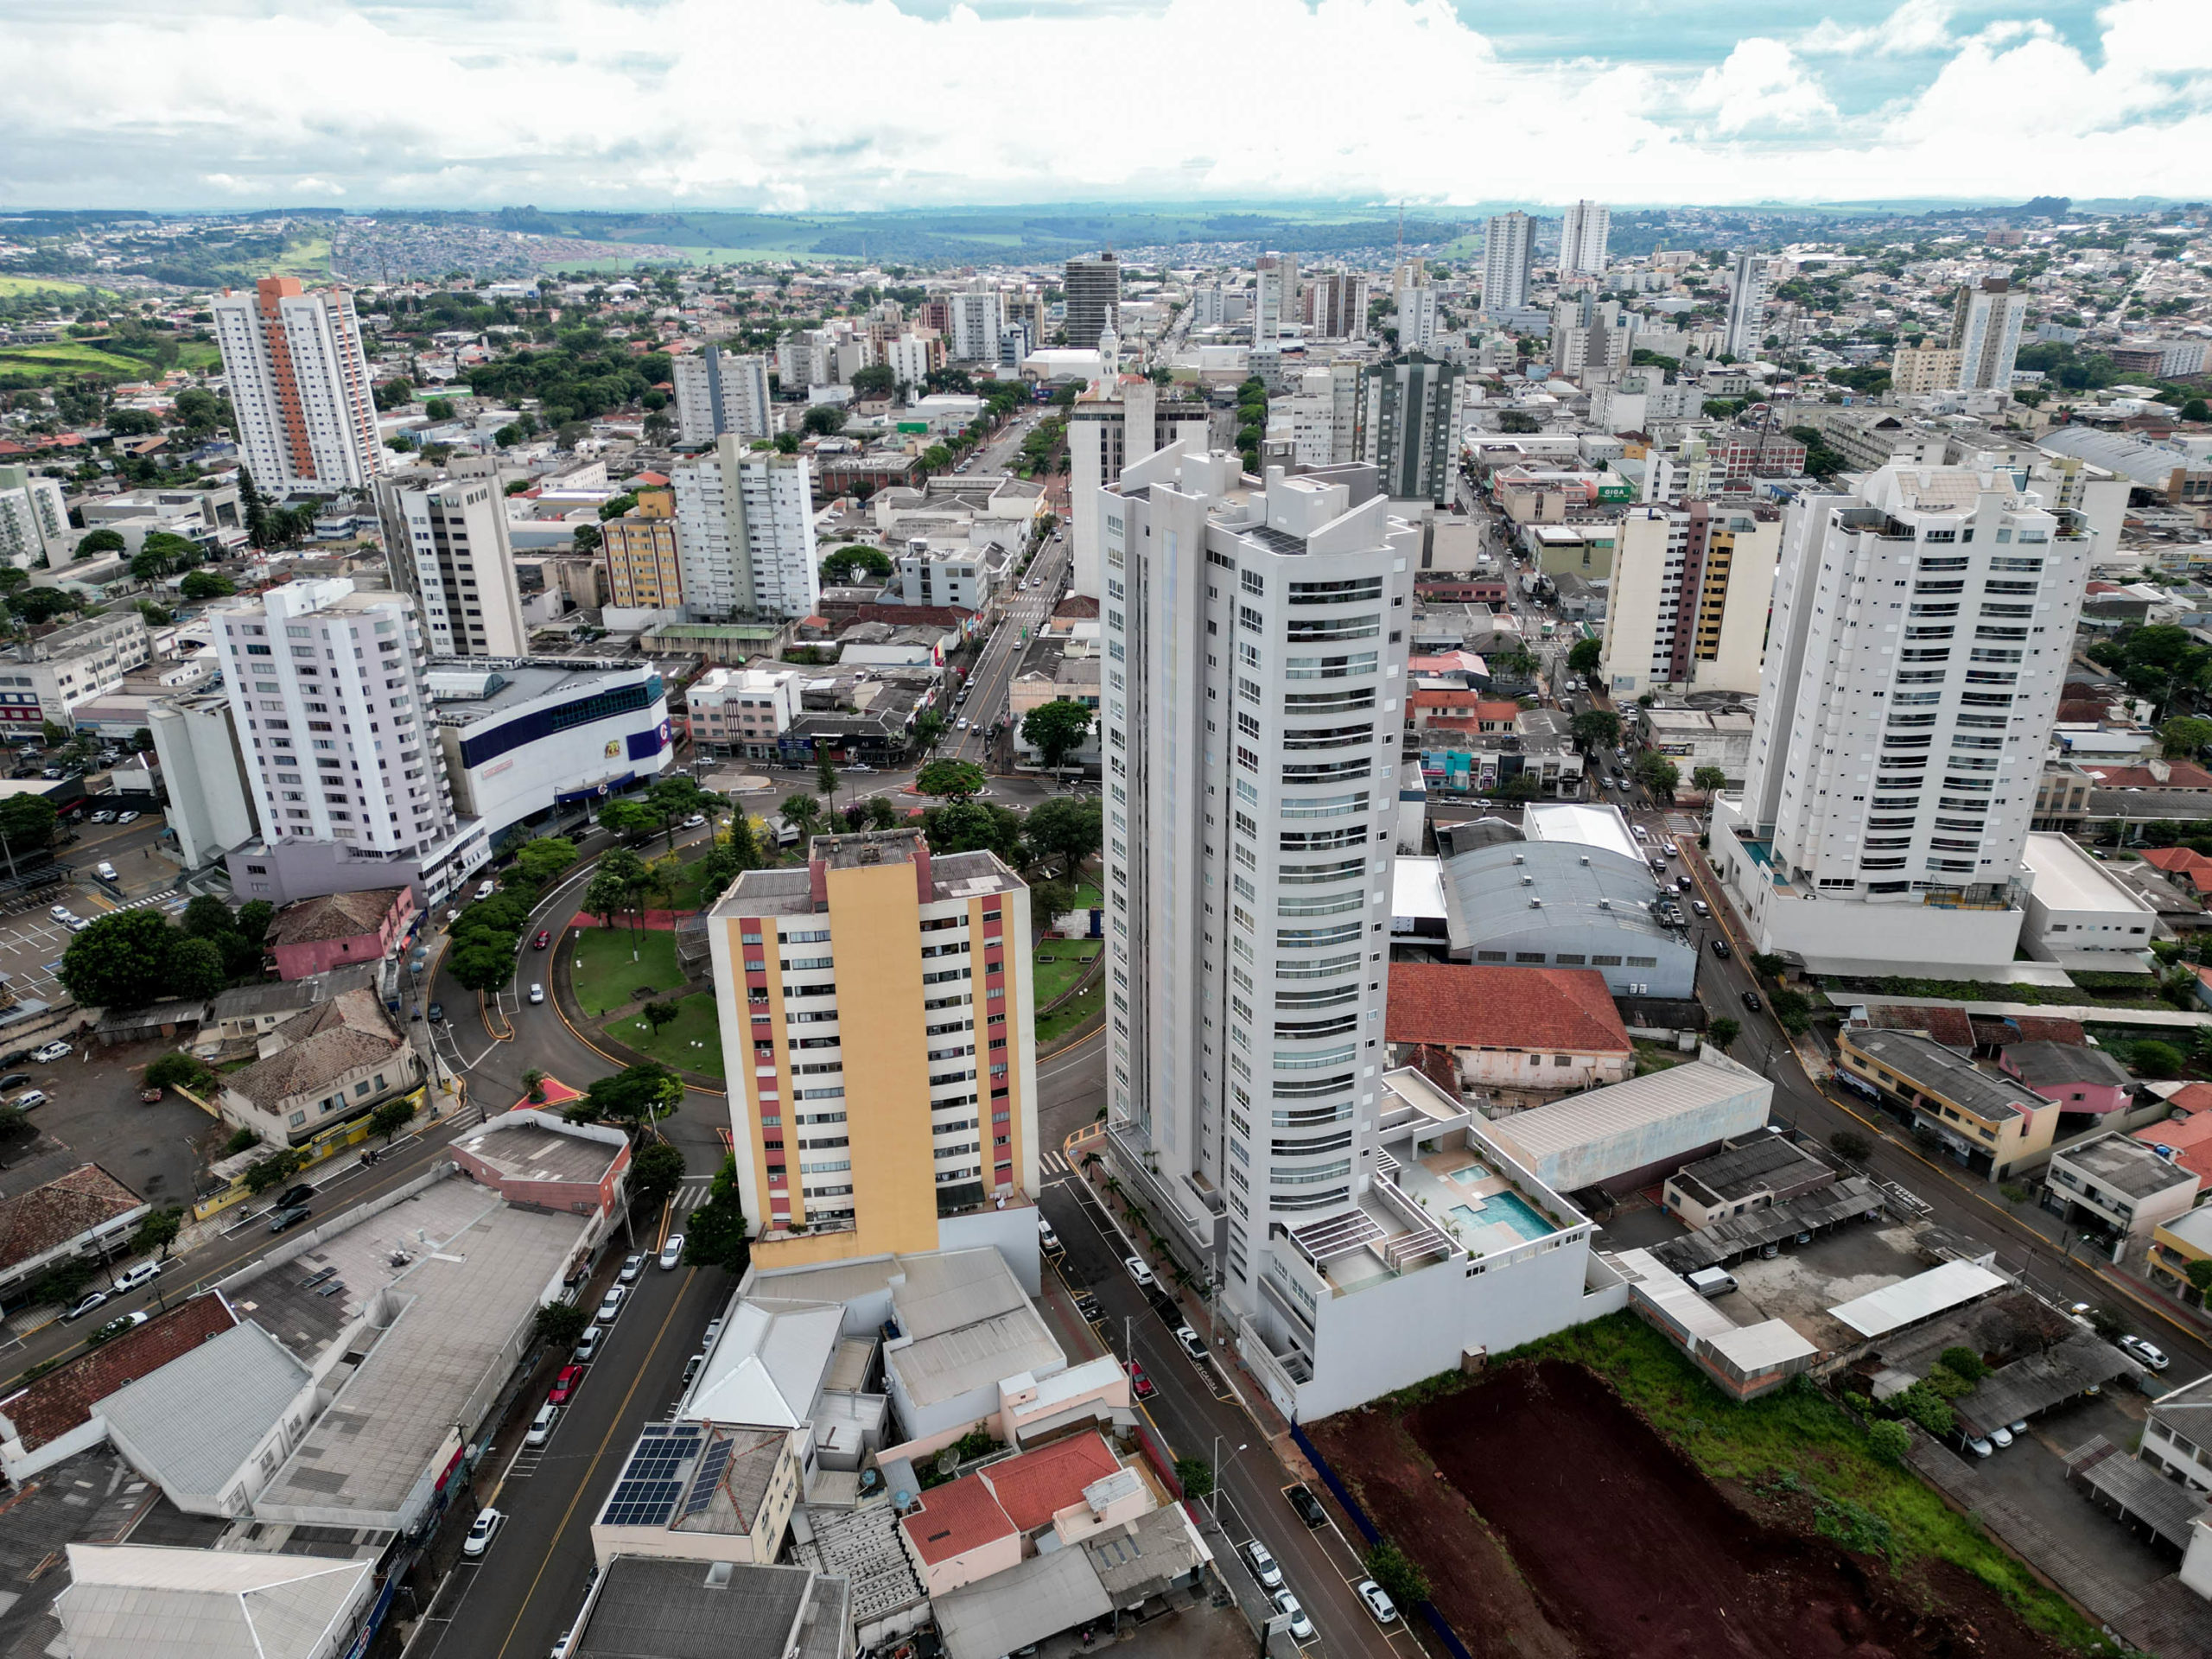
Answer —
1552 1521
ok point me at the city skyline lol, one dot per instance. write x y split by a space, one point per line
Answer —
1811 102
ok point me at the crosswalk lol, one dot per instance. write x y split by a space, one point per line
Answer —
691 1193
1053 1163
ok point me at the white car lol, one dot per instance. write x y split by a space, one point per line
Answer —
483 890
480 1535
52 1052
29 1100
126 817
537 994
1262 1563
1378 1602
541 1427
1301 1628
671 1254
1047 1240
2000 1437
2148 1353
1670 849
145 1274
1640 833
631 1266
695 821
1138 1272
62 913
1192 1342
611 1304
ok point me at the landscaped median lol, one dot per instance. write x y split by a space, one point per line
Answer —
619 973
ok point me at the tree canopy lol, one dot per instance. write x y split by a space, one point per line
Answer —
1056 729
715 1234
1584 656
127 958
872 563
957 780
1064 828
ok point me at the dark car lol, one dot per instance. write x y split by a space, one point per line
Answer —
1720 949
13 1081
1752 1001
288 1217
292 1197
1308 1507
437 1012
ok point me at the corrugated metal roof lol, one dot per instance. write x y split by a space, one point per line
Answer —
192 1423
1924 1295
1620 1108
1009 1611
124 1602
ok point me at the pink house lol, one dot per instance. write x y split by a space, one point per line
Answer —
2080 1078
339 929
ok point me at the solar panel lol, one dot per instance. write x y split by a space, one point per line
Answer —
651 1484
642 1503
711 1471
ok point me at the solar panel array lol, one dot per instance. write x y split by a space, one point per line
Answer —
710 1471
646 1493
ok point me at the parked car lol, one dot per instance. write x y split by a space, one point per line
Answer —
2000 1437
288 1217
1301 1628
1752 1001
691 1370
632 1267
707 1342
1263 1564
1701 908
1087 1305
437 1013
1378 1603
486 888
1720 949
695 821
126 817
479 1535
1142 1386
103 816
1640 833
302 1194
29 1100
2018 1431
1138 1272
1670 849
564 1384
541 1427
1308 1507
51 1053
13 1081
1191 1342
588 1344
544 938
78 1309
671 1254
115 1328
105 871
537 994
1976 1445
2148 1353
610 1304
131 1279
1047 1240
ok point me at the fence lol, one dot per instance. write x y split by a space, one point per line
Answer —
1372 1534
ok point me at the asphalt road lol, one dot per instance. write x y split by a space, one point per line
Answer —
1026 610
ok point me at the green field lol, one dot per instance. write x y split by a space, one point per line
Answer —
1053 1027
14 287
71 357
1058 963
607 979
692 1041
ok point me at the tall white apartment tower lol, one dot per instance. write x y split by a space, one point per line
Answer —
326 696
299 384
1582 240
719 392
975 326
1691 587
1254 667
744 533
1985 333
1114 424
1918 642
1509 247
1745 332
445 541
1417 312
1335 304
1275 298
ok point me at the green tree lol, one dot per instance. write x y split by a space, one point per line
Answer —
2199 1274
929 731
876 380
585 540
635 1097
124 960
1708 780
100 540
206 917
1402 1579
801 811
26 822
823 421
2184 737
715 1234
675 797
1657 773
1196 1475
481 967
615 506
2156 1060
542 859
964 826
1888 1440
872 563
196 968
180 1069
1723 1032
935 457
1965 1362
1584 656
561 1324
954 780
388 1119
1056 729
655 1173
273 1170
200 585
1851 1145
157 1232
2196 410
629 819
657 1014
1596 728
826 781
1769 963
1064 828
36 605
881 814
1521 786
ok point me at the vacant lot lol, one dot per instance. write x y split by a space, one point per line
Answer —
1552 1520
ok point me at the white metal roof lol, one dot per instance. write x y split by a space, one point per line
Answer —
768 1363
192 1424
1753 1348
1590 826
1924 1295
1417 888
128 1601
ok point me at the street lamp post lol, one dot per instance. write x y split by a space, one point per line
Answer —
1220 1470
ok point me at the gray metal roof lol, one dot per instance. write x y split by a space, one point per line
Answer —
192 1424
2126 1165
1488 889
2037 1382
693 1609
1936 1069
2137 1489
1757 1165
2042 1063
1042 1596
126 1602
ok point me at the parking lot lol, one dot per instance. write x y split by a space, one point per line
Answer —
32 939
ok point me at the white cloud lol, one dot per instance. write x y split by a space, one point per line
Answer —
790 104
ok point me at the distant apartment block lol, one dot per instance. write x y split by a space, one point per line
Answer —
299 384
719 392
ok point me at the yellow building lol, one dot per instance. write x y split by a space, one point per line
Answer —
1992 1123
875 1017
643 569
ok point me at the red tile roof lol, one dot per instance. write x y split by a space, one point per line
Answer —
2179 775
1481 1005
60 1399
1947 1024
1507 712
2191 1136
1037 1485
1452 697
2183 861
958 1517
1996 1031
46 1217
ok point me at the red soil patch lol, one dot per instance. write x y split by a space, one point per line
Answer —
1589 1534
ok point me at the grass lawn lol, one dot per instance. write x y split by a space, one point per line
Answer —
695 1023
1058 963
71 357
685 894
608 979
1798 1439
1052 1026
1087 897
16 286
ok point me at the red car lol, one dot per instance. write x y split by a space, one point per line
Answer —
1145 1387
564 1385
544 938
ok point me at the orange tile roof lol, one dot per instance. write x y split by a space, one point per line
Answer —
1037 1485
60 1399
2179 775
958 1517
2183 861
1478 1005
2190 1137
1508 712
33 1222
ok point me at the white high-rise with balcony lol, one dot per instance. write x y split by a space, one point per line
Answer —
975 317
744 533
1986 323
1274 296
1253 676
299 385
1919 638
1582 240
1509 248
326 696
719 392
446 542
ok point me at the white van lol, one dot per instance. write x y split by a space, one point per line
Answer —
105 871
1713 1282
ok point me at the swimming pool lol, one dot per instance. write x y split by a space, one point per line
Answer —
1468 1176
1508 1207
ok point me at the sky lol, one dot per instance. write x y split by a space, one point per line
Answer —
873 105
